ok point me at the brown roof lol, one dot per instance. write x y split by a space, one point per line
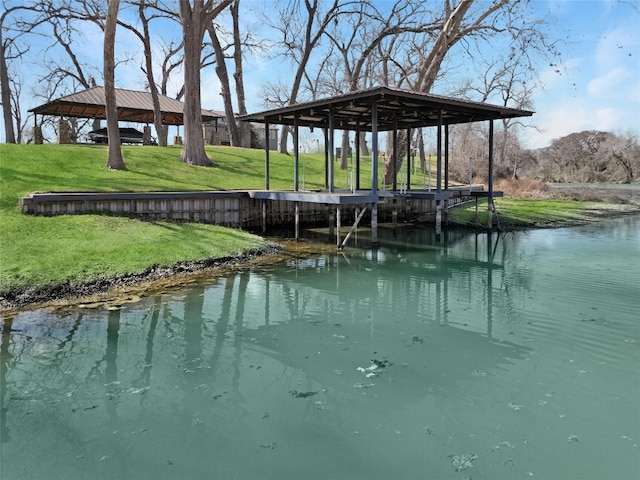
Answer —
396 107
133 106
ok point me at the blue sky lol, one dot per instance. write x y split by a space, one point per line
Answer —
595 86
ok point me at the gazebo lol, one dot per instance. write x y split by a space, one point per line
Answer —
133 106
377 110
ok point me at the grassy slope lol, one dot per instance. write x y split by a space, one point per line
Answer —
44 250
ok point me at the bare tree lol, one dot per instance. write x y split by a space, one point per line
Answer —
467 151
115 160
5 46
579 157
64 70
145 37
398 60
11 29
172 59
591 156
161 130
302 25
240 135
625 151
16 92
195 15
469 23
360 44
512 81
275 94
63 17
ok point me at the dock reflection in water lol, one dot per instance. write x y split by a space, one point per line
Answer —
425 358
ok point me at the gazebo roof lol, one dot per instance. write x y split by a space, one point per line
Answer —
396 108
133 106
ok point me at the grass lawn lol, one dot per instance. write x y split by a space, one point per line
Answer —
527 213
47 250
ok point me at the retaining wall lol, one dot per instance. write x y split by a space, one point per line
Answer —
225 208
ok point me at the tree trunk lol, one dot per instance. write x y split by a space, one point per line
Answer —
284 134
96 124
157 115
423 157
401 153
344 151
115 160
244 128
446 39
192 32
364 148
163 135
9 132
223 76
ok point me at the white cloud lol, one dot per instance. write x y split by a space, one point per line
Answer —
609 82
557 122
569 117
616 64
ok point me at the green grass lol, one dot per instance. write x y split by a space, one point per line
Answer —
523 213
46 250
88 247
28 168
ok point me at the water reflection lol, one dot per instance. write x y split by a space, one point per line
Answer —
5 363
268 373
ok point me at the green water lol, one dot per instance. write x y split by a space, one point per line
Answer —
468 357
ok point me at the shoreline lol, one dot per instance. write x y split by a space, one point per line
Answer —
587 216
113 292
124 288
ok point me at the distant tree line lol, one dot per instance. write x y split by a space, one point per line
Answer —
583 157
589 156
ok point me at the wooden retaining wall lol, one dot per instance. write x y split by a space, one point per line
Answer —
221 208
231 209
